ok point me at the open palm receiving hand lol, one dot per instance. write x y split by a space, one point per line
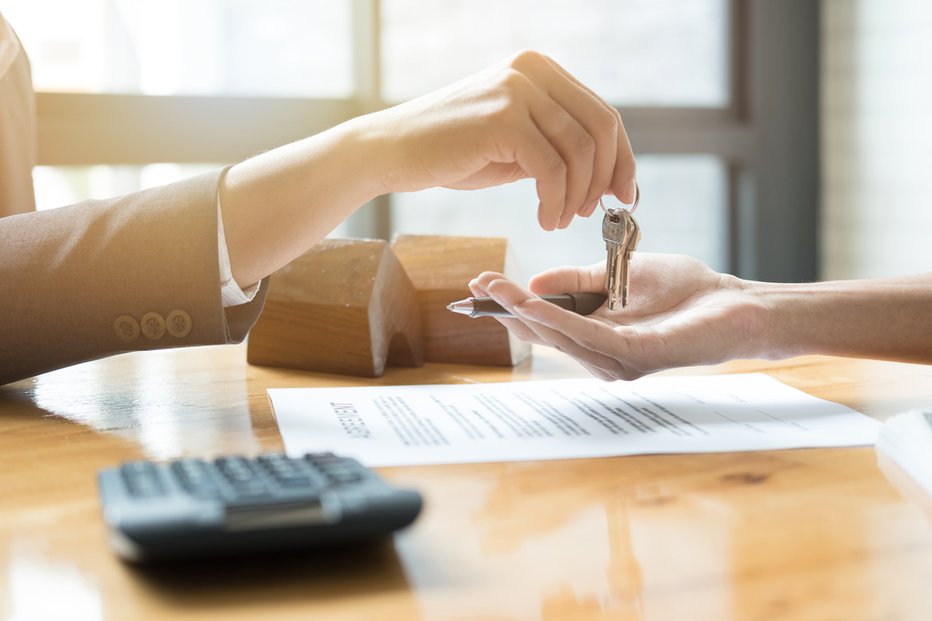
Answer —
680 313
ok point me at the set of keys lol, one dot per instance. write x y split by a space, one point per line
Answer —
621 234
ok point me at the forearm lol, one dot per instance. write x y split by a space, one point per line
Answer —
525 117
883 318
278 204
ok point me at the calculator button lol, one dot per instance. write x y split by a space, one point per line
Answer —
338 470
142 479
194 477
252 489
239 472
286 472
342 474
235 469
322 459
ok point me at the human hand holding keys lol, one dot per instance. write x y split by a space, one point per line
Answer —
685 313
621 234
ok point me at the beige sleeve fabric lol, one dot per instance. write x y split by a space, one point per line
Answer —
108 276
101 277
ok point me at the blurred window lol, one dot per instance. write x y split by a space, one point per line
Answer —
662 55
645 53
631 52
293 48
684 215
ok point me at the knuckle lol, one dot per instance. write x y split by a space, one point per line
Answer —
525 59
505 112
512 80
610 122
556 167
502 113
615 115
509 94
585 143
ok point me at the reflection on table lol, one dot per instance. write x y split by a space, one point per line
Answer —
802 534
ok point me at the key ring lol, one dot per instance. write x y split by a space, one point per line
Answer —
634 205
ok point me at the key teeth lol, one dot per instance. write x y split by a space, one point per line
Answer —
613 301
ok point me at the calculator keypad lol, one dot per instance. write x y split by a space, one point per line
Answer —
235 479
196 478
286 472
239 473
198 507
142 480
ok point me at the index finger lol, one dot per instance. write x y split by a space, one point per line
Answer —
569 280
590 333
625 171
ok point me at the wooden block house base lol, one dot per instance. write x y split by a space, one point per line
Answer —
440 268
345 306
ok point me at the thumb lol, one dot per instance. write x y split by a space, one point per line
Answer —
569 280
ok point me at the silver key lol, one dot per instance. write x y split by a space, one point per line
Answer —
621 234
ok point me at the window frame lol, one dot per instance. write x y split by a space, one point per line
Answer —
768 140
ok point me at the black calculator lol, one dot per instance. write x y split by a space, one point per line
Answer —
195 508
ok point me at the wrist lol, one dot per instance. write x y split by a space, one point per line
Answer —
886 318
278 204
786 307
374 138
813 318
753 318
367 147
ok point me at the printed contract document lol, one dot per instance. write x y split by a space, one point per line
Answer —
559 419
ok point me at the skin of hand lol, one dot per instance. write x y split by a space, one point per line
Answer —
523 118
680 313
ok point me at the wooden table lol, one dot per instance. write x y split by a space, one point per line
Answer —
801 534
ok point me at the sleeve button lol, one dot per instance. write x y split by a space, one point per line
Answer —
126 328
153 326
178 323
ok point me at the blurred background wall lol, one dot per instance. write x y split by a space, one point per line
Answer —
877 137
779 140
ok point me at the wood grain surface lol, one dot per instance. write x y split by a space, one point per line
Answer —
440 268
345 306
800 534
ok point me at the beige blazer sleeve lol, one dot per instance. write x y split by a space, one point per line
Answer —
102 277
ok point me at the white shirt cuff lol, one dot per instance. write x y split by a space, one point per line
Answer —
230 292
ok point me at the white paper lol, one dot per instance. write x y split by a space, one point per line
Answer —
560 419
907 439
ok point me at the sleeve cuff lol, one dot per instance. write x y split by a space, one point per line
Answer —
231 294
